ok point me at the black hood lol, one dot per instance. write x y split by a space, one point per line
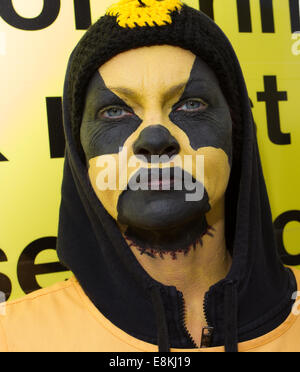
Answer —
256 295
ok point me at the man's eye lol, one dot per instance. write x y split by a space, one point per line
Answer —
114 113
193 105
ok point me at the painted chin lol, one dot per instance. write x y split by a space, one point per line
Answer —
158 210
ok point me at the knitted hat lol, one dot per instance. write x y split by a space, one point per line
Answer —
131 24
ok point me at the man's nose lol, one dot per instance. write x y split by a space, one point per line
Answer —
155 140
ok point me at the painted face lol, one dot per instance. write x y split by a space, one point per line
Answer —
150 102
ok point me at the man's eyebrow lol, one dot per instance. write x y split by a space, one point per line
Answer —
125 91
174 90
181 87
171 92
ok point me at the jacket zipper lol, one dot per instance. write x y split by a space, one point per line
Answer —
207 332
183 318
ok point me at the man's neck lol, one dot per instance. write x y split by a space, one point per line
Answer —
193 274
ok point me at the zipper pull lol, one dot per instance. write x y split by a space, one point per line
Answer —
206 339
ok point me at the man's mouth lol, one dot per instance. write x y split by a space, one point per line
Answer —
157 179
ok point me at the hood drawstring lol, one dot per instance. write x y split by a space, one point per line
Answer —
161 321
230 318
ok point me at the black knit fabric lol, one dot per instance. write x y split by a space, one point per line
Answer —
189 30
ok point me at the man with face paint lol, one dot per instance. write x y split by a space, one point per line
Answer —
164 220
161 111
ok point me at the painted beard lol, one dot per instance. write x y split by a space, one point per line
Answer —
166 246
158 222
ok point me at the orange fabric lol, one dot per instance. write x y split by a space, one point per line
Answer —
61 318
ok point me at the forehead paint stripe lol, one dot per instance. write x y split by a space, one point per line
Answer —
100 136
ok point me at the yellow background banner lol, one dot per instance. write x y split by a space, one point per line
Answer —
36 39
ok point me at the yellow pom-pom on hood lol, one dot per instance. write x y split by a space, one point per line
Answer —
134 13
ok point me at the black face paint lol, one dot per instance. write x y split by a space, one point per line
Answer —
166 223
100 135
212 126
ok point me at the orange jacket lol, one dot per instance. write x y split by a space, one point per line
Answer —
61 318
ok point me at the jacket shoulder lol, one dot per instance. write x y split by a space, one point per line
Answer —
61 318
36 298
37 314
286 337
